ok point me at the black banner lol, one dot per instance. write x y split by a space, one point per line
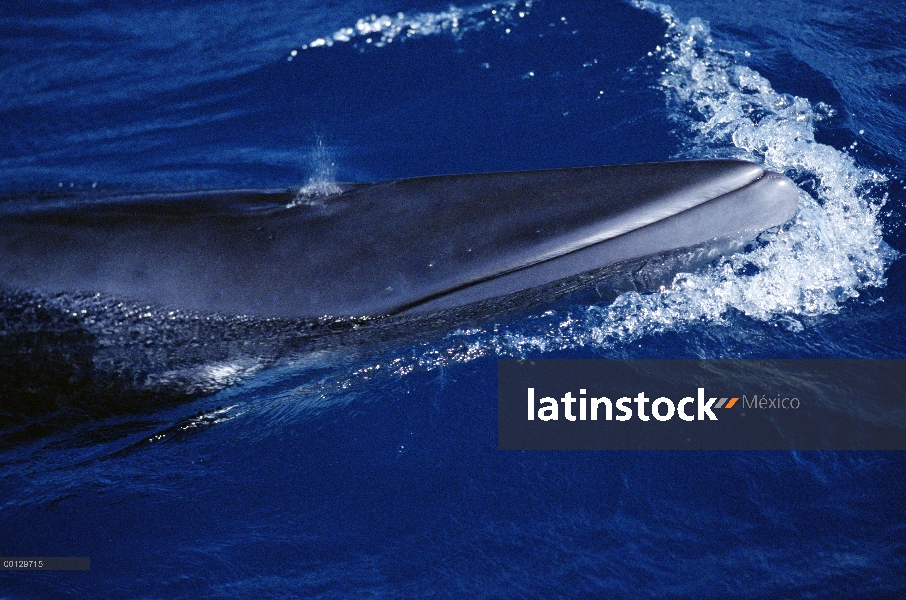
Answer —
702 404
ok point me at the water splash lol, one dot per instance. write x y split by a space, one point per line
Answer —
834 248
831 252
323 181
378 31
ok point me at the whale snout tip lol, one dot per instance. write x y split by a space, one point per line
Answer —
784 192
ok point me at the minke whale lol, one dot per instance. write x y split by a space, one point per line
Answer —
404 246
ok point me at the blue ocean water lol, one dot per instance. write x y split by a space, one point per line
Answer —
345 468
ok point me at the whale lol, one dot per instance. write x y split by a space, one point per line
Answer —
399 247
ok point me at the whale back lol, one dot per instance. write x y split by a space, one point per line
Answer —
375 249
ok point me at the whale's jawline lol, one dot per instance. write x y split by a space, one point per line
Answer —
642 259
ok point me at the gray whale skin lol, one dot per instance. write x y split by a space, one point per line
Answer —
404 246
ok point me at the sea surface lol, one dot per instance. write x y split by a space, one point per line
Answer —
234 458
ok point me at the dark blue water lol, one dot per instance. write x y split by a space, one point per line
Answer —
345 468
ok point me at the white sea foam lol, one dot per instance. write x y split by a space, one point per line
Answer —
831 252
381 30
834 247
